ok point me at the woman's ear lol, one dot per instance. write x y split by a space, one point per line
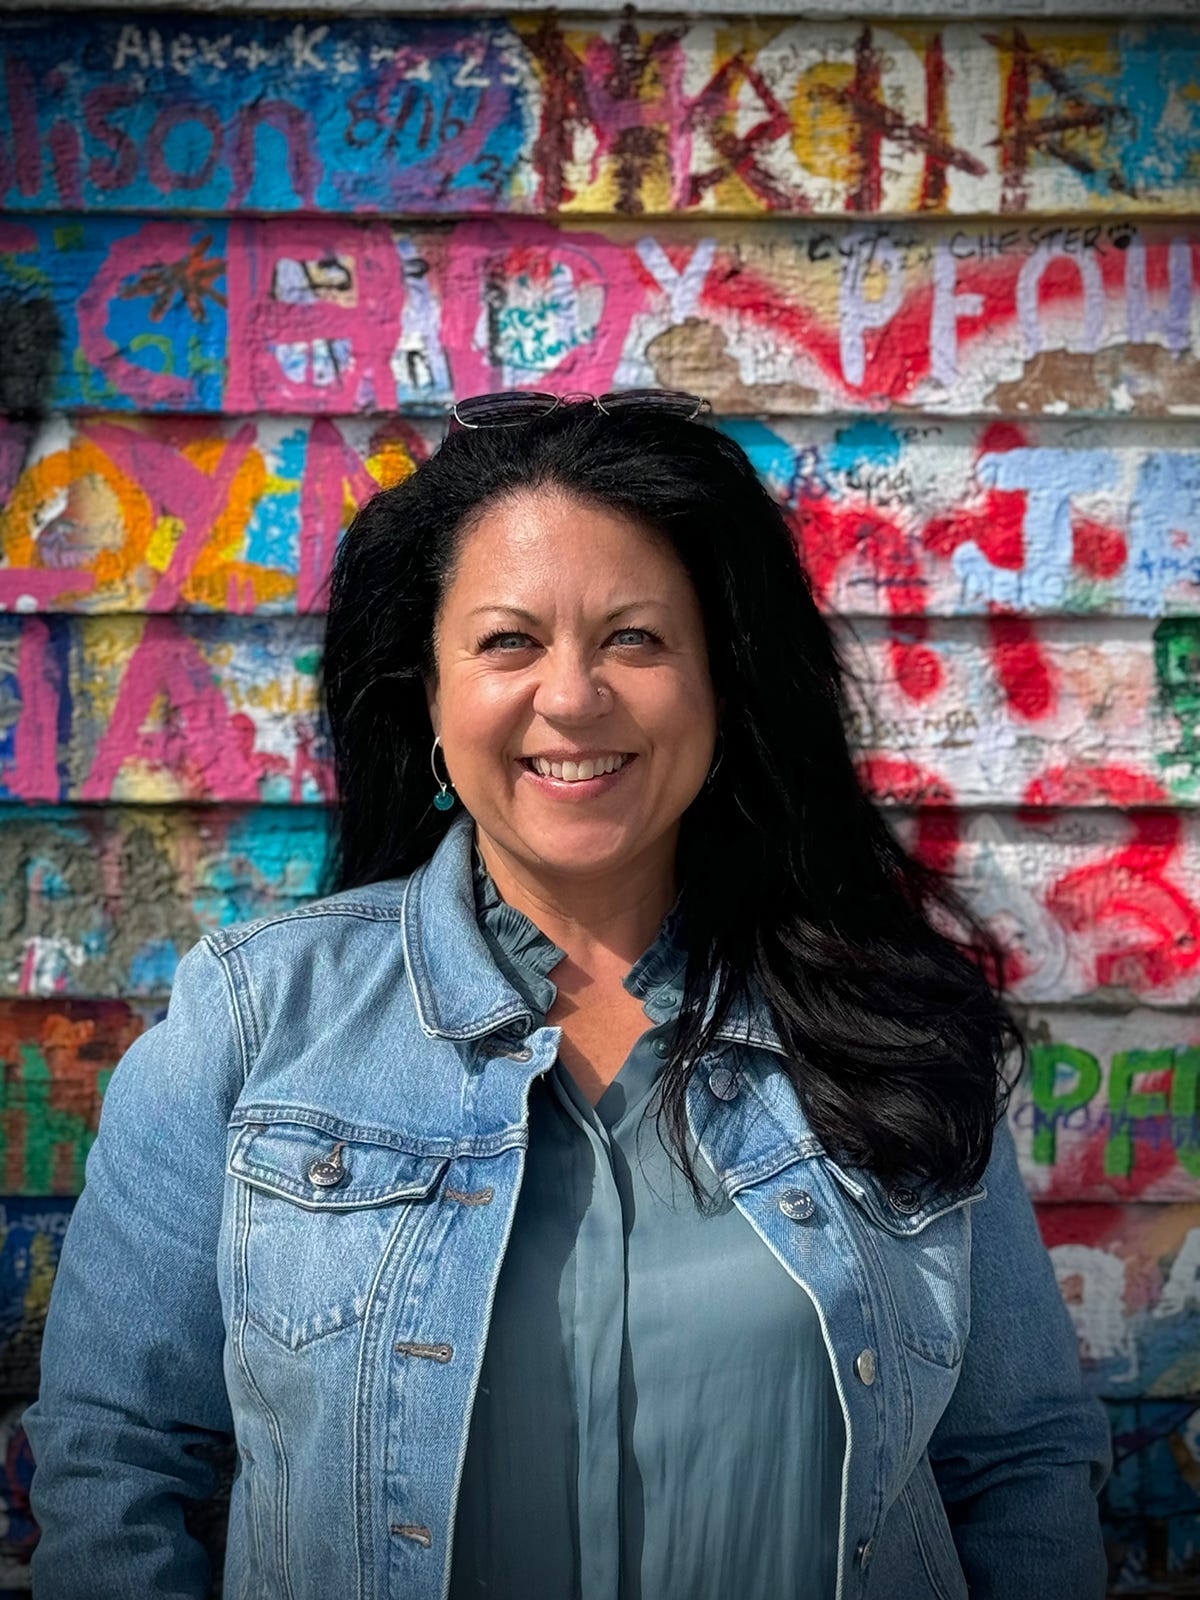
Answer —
431 700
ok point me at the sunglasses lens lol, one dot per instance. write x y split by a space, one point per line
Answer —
506 409
669 402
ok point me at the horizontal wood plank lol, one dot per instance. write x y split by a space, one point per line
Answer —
1108 1111
102 901
335 317
400 114
963 712
892 516
1055 10
1010 712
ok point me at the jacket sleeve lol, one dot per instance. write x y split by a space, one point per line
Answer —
132 1390
1021 1451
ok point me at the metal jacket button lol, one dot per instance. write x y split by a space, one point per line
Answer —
797 1204
864 1365
661 1047
723 1083
905 1200
328 1171
863 1553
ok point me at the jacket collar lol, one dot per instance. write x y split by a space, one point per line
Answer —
457 989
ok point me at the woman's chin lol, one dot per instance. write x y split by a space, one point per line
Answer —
575 843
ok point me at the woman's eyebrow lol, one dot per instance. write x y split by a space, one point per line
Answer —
515 611
609 616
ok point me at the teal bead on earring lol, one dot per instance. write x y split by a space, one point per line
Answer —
443 800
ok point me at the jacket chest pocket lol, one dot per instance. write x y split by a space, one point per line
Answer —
921 1247
325 1205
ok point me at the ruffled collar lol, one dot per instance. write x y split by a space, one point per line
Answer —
526 956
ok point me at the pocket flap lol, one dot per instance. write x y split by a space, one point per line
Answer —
902 1209
330 1168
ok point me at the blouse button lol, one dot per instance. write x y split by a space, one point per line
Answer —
797 1204
723 1083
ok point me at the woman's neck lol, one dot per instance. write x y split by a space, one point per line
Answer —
596 919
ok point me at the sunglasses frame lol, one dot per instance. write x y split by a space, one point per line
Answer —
630 400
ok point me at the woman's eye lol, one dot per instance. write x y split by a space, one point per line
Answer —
493 638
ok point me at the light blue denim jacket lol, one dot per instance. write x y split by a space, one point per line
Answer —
291 1231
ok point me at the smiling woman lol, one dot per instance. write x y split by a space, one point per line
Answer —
405 1122
528 713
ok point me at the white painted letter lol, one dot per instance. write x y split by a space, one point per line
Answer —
858 313
1175 325
1049 478
948 307
1030 281
130 43
683 289
1182 1289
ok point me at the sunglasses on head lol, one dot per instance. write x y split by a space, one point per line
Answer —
509 408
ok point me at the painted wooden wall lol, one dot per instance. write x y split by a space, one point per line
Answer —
938 277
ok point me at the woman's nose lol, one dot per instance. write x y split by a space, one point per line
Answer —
570 685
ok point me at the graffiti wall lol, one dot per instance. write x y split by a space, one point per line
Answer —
938 277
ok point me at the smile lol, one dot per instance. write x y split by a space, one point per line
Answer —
592 776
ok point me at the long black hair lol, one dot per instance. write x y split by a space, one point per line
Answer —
885 987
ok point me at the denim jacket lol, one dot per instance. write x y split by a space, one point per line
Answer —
293 1221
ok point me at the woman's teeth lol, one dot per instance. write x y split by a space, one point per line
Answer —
577 771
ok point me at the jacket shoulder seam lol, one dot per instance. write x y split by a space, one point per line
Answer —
234 1005
222 941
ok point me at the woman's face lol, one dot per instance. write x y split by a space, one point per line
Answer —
571 632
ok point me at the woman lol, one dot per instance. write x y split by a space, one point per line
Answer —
378 1198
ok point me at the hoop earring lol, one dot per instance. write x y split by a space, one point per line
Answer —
443 800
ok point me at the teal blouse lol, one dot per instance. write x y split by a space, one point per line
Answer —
656 1417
